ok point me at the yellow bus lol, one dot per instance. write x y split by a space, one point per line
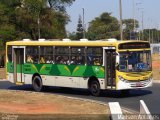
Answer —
93 65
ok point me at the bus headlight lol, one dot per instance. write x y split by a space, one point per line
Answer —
121 78
150 79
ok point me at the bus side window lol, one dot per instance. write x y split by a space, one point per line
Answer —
46 54
62 55
29 59
77 56
32 53
97 61
94 56
42 60
49 59
73 60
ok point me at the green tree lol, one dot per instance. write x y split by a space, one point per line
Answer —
7 29
72 36
79 33
129 31
151 35
51 23
59 5
26 17
105 26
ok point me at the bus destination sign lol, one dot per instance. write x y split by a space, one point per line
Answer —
134 45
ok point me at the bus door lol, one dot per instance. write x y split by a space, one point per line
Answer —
110 69
18 58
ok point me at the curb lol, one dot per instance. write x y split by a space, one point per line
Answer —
129 111
3 80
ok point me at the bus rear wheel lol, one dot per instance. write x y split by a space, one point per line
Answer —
94 88
37 84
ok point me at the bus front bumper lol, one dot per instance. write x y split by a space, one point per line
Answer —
133 84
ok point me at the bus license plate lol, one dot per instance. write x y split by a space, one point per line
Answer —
138 84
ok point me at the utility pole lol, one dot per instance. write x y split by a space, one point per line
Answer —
120 10
83 24
134 21
152 36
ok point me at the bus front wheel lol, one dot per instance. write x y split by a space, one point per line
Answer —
37 84
94 88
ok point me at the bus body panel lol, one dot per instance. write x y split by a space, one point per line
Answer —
64 70
60 75
10 77
77 76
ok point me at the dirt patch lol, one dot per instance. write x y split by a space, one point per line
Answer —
2 73
156 66
23 102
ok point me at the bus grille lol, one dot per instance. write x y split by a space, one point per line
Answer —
141 83
137 83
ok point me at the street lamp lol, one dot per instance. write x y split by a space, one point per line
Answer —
142 22
120 10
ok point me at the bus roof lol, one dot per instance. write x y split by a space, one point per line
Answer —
69 43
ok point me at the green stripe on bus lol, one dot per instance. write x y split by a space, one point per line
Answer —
60 70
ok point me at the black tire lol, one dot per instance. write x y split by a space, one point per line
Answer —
37 84
94 88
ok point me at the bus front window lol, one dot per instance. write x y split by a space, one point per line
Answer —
135 61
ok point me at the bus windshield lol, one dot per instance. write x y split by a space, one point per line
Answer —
135 61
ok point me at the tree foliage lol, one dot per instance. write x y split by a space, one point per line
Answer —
59 5
22 18
151 35
7 29
129 31
102 27
80 29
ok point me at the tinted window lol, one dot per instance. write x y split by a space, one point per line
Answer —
46 55
77 55
9 49
94 56
32 54
62 55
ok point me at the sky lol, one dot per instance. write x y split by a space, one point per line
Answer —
94 8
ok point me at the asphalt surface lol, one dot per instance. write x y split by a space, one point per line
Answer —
151 96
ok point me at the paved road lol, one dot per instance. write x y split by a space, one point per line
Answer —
151 96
